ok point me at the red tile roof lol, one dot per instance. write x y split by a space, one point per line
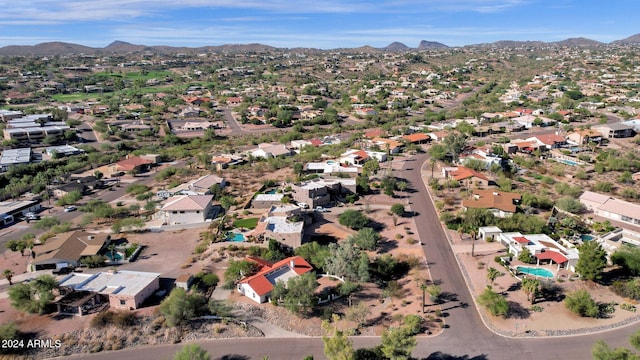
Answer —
131 163
261 284
521 239
417 137
464 173
552 255
550 139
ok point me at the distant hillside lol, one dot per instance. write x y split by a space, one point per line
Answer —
633 39
62 48
424 44
396 47
578 42
45 49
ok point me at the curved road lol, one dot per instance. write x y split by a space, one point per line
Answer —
466 337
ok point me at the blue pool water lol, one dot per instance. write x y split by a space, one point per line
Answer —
272 191
116 256
567 162
535 271
331 162
585 237
235 237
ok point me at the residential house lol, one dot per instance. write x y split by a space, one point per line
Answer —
187 209
390 145
122 290
542 247
548 141
359 157
318 192
258 287
224 161
617 130
68 188
417 138
584 136
266 150
67 249
611 208
330 167
199 186
12 157
464 175
501 204
281 224
135 164
265 201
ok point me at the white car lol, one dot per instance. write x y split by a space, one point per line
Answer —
70 208
321 209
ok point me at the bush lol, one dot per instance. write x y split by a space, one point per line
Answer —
353 219
580 302
494 302
121 319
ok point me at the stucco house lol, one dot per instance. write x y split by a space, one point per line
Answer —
542 247
501 204
186 209
122 289
611 208
258 287
67 249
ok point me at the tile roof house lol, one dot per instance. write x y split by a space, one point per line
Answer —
611 208
417 138
550 141
542 247
462 173
584 136
133 163
186 209
199 186
67 249
258 287
500 203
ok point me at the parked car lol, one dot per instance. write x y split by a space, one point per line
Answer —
31 216
321 209
62 271
70 208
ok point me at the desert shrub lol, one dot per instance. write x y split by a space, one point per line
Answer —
581 303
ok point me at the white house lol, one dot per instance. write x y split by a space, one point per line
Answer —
258 287
270 150
542 247
186 209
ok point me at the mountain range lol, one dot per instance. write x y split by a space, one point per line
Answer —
119 47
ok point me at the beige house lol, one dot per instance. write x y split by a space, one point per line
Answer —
67 249
186 209
122 289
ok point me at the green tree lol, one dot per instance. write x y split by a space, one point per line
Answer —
192 352
397 343
346 260
35 296
437 152
47 223
592 261
413 323
628 258
300 296
397 209
314 253
492 275
494 302
237 270
298 168
337 345
8 274
180 307
526 257
366 239
353 219
570 204
531 288
581 303
370 167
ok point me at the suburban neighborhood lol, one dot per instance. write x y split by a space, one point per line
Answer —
168 197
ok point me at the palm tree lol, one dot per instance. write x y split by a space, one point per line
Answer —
8 274
492 275
432 162
531 287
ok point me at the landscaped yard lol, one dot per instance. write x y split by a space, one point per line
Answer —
249 223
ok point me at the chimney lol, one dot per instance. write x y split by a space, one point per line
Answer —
292 265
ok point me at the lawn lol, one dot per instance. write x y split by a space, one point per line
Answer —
249 223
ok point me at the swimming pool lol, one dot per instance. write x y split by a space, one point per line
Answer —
568 162
585 237
331 162
235 237
535 271
116 256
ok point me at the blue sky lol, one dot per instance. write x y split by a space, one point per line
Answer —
324 24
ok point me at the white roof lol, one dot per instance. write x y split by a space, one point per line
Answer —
15 156
594 197
122 282
268 197
279 224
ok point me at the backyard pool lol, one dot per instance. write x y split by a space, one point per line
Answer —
235 237
272 191
568 162
116 256
535 271
331 162
585 237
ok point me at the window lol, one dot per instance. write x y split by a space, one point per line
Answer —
174 212
197 211
123 302
181 211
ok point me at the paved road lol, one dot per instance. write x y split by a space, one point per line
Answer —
465 338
